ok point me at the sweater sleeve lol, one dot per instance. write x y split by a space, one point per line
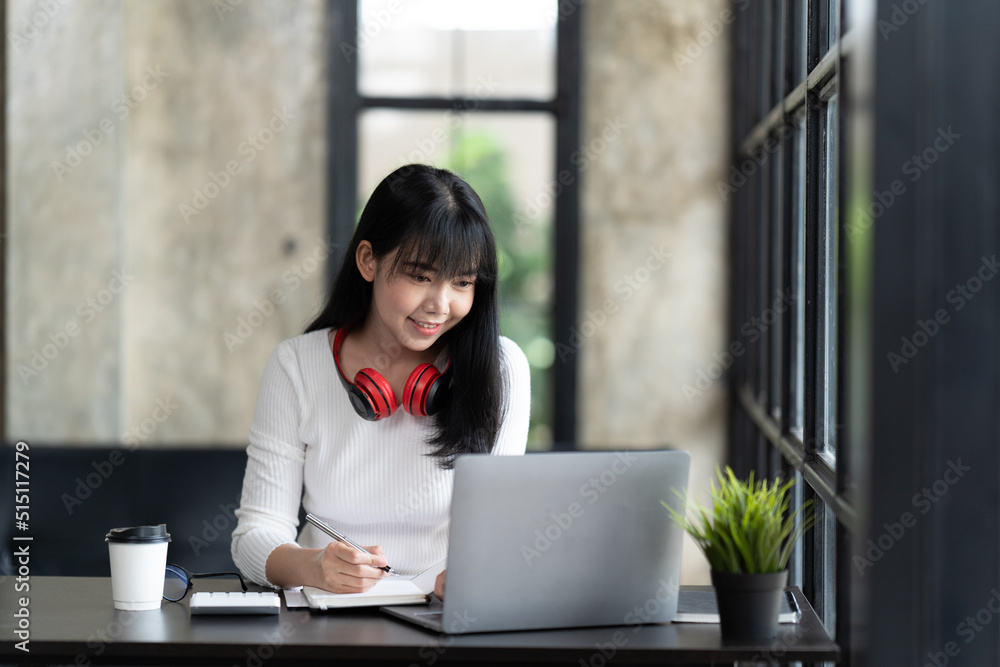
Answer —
272 484
513 436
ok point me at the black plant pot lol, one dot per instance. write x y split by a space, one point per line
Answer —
749 604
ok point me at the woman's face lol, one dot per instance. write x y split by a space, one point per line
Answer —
415 305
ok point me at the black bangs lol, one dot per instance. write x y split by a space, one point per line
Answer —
450 241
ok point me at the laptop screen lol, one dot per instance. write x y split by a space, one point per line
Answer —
564 540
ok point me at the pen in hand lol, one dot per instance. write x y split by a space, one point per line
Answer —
332 532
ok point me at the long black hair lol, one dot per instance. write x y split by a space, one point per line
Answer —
435 218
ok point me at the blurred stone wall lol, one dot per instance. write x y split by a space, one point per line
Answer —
653 266
166 212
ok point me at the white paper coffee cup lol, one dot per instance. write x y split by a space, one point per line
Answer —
138 562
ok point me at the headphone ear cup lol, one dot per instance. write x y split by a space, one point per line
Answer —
378 392
437 394
360 402
420 395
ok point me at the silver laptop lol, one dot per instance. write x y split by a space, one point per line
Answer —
560 540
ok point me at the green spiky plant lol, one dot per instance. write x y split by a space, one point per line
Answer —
748 529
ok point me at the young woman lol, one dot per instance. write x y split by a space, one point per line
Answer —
412 321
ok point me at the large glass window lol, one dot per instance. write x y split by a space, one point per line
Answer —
828 254
488 61
798 284
451 48
775 381
498 154
794 428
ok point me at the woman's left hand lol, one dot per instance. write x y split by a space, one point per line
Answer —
439 585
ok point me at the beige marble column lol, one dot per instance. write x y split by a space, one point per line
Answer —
63 245
653 266
166 209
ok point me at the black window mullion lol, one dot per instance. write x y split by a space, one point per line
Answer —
341 130
779 359
813 544
814 50
754 73
813 214
756 226
775 464
744 66
761 465
566 229
777 66
762 228
787 320
753 283
788 41
765 53
740 275
748 209
787 277
776 390
457 104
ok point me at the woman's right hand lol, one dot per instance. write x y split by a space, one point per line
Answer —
339 568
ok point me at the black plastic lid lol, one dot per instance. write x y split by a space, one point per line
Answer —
139 534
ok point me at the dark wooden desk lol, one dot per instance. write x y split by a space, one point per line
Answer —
73 622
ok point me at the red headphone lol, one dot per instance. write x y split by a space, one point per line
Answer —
424 394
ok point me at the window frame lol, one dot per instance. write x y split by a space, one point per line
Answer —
345 104
762 434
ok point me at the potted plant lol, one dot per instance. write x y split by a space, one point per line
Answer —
747 536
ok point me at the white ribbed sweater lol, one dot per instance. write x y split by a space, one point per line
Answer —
371 480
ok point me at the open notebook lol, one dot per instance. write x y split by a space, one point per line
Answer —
412 589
